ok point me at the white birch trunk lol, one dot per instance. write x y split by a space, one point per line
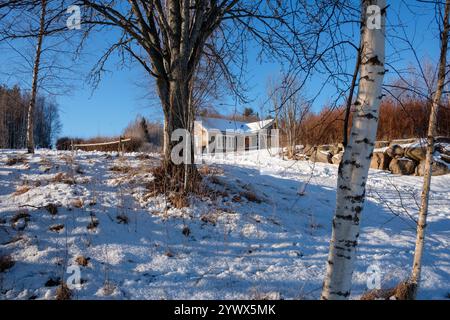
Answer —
354 168
31 106
423 213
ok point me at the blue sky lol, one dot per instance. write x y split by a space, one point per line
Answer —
123 94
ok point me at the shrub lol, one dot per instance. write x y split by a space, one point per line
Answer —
6 262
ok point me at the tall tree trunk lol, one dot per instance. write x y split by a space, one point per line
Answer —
423 213
354 168
37 59
178 114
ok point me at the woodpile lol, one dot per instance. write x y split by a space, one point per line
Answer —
403 157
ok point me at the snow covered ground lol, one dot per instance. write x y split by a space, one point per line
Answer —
260 239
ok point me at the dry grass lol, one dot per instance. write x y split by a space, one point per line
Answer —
403 291
121 169
6 262
63 177
143 156
77 203
66 158
21 214
63 292
16 160
45 162
210 218
206 170
171 185
179 200
93 224
82 261
250 196
257 294
21 190
108 288
51 208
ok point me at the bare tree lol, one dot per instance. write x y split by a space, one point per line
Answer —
35 22
423 213
290 112
37 59
354 168
170 38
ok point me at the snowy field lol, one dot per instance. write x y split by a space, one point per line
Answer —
259 240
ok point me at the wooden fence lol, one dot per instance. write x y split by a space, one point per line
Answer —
120 145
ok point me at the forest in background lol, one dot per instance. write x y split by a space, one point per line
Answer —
13 119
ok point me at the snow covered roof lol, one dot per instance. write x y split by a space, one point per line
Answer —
232 125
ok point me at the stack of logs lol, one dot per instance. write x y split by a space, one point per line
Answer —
404 157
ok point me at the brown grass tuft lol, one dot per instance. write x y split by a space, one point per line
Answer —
6 262
15 160
52 208
82 261
382 294
63 292
63 177
77 203
250 196
206 170
179 200
121 169
21 214
403 291
22 190
93 224
143 156
209 218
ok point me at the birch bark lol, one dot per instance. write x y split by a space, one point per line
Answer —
354 167
423 213
37 59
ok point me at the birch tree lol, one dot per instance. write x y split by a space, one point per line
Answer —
34 84
354 168
40 69
432 128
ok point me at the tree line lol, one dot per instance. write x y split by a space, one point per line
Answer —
397 120
14 104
